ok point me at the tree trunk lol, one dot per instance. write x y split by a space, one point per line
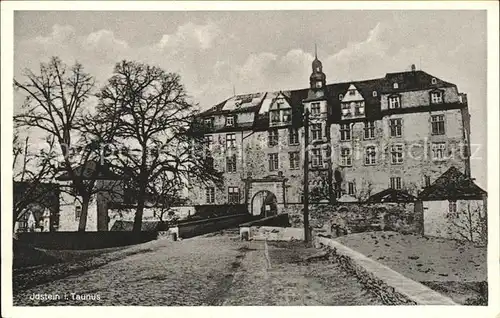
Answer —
140 205
83 216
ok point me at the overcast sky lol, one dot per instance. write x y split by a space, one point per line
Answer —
268 50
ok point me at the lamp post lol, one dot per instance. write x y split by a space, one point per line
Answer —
306 176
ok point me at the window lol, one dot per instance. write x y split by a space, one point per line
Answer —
275 116
345 132
427 181
359 108
374 94
438 150
370 155
341 97
78 212
345 157
210 194
209 140
293 136
437 123
230 140
396 183
433 80
452 207
350 189
346 110
294 160
287 115
231 163
319 84
394 102
316 131
369 130
233 195
315 109
230 121
317 158
273 162
436 97
209 162
396 127
395 85
272 137
209 122
352 92
397 154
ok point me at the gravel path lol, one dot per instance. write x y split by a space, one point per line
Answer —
217 270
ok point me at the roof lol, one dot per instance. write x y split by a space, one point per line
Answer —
454 185
91 169
258 103
391 195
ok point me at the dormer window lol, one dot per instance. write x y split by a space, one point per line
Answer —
394 102
395 85
346 110
433 80
275 116
209 122
315 109
341 97
436 97
230 121
374 94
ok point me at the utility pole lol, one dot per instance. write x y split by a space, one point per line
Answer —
306 176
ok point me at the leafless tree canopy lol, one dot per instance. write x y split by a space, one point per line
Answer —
152 120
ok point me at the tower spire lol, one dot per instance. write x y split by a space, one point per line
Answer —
315 50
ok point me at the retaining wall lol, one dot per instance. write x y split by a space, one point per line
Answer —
390 286
345 218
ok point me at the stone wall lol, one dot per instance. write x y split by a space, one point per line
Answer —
387 294
341 219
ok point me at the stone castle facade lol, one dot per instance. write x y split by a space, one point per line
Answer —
401 131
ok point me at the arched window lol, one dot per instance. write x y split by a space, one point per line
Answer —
395 85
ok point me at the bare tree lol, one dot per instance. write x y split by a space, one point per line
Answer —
32 173
55 103
469 222
155 122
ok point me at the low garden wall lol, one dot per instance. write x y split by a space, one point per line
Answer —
84 240
187 229
345 218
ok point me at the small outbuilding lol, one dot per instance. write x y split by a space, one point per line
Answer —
455 207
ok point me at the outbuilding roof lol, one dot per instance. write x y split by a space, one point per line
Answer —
452 185
391 195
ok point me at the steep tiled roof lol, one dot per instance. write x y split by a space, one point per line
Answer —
410 80
391 195
452 184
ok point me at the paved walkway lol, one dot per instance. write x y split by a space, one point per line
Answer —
215 270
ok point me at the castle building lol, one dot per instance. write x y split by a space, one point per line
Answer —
401 131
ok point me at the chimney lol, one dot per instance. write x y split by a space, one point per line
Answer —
413 68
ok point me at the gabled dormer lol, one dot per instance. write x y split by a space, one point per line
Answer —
280 111
352 103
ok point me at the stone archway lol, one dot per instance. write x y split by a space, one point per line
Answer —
264 203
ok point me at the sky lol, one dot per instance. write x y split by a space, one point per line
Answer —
217 53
